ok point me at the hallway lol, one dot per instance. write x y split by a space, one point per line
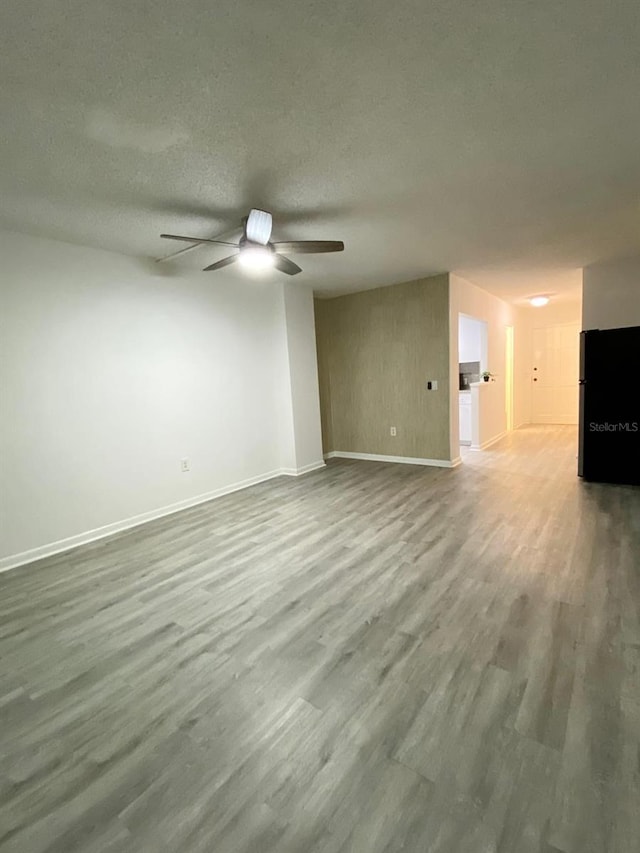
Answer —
372 658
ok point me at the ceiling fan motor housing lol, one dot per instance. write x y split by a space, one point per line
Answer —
245 243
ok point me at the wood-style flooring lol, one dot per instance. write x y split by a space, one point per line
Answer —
369 659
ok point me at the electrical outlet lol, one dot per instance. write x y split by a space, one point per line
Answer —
392 431
185 465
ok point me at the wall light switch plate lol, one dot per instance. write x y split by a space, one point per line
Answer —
432 384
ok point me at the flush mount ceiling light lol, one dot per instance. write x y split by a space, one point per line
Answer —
256 258
538 301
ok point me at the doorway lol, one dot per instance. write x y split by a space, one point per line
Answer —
554 391
472 361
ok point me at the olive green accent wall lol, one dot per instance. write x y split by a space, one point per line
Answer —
376 351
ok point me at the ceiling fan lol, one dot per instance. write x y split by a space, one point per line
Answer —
256 252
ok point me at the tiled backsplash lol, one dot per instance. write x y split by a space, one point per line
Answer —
469 371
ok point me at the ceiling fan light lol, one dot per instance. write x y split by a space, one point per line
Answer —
539 301
256 258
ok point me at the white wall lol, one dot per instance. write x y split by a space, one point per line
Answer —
303 398
466 298
611 294
487 421
471 339
113 369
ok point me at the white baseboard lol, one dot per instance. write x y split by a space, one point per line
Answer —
488 443
306 469
21 559
405 460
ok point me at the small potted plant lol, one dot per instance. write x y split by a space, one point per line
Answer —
486 375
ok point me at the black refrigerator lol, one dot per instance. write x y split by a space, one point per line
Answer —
609 450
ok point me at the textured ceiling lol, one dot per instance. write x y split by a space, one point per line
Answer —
472 135
519 285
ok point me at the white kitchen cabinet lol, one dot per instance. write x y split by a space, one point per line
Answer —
465 417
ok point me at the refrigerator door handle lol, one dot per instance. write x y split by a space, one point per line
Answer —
581 429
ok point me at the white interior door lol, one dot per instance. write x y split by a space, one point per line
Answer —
556 354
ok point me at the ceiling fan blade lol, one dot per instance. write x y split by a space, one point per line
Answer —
197 240
285 265
223 263
257 228
308 247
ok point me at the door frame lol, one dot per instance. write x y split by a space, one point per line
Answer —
508 377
